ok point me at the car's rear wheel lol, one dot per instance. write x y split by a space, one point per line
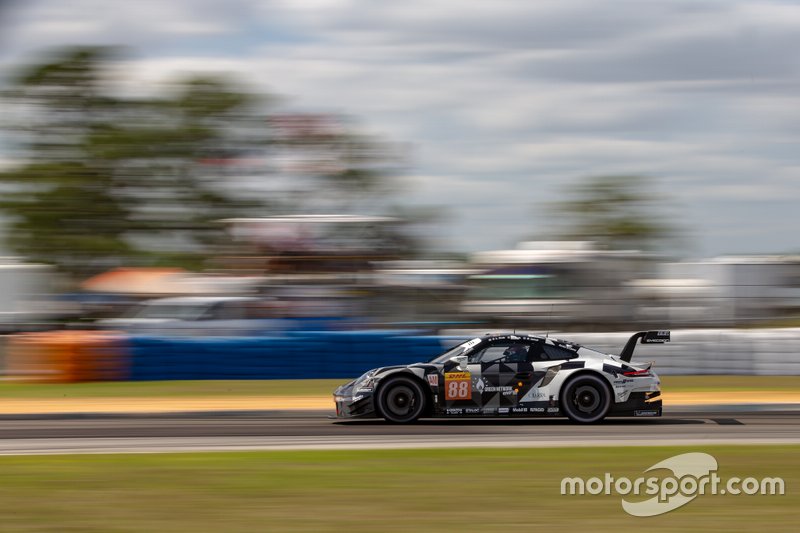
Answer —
586 399
401 400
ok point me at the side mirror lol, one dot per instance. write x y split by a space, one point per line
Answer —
461 361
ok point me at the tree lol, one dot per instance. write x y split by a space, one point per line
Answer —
615 212
108 179
61 202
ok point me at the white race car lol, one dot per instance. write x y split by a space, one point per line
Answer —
510 375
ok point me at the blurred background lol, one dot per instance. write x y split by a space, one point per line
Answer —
184 181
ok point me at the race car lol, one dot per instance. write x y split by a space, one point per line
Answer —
510 375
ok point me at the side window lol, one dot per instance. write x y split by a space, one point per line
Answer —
551 352
505 351
536 353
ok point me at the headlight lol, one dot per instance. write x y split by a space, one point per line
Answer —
365 381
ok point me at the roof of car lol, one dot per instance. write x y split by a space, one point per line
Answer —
530 337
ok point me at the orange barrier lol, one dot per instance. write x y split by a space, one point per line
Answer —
66 356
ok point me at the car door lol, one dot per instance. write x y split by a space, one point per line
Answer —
502 374
539 397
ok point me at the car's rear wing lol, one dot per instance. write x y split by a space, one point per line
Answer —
648 337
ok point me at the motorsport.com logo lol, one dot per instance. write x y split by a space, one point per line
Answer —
693 474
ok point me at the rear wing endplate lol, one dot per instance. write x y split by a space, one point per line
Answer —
648 337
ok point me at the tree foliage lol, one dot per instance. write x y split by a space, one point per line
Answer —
615 212
108 179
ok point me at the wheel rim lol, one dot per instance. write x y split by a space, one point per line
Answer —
586 399
401 401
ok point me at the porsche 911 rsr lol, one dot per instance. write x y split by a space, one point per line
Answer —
510 375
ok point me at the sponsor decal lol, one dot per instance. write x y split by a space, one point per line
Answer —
552 409
505 391
502 410
357 398
433 380
457 386
473 410
472 343
504 388
646 412
537 409
451 411
519 409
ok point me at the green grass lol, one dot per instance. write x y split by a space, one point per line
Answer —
378 490
324 387
125 389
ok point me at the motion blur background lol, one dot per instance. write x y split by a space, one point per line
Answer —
182 181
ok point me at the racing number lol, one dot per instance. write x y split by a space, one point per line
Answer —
457 386
458 390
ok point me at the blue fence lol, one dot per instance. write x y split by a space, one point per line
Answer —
301 355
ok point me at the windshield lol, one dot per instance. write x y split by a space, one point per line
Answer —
456 350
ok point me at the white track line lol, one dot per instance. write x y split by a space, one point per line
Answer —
60 446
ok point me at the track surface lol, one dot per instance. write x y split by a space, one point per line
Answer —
168 433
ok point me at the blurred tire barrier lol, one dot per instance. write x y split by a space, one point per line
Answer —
66 356
306 355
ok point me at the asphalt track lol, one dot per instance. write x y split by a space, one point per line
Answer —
314 430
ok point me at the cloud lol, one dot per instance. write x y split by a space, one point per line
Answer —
504 103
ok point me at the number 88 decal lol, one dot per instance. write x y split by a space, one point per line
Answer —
458 386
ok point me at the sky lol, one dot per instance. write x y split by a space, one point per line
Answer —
504 105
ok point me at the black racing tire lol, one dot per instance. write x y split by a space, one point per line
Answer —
586 399
401 400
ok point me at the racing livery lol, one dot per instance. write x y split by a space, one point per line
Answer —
510 375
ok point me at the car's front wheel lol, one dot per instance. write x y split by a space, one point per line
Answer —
586 399
401 400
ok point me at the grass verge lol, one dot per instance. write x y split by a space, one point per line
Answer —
172 389
376 490
324 387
